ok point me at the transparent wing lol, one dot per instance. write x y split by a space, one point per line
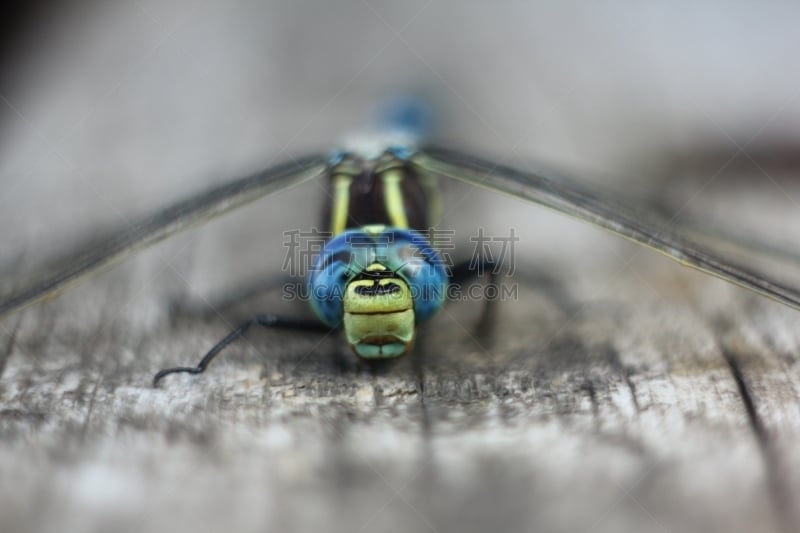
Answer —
591 206
739 242
104 252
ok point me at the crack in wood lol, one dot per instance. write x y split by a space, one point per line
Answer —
113 340
588 387
426 422
5 355
780 495
612 355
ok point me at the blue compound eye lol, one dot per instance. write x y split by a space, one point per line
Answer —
406 253
411 256
341 259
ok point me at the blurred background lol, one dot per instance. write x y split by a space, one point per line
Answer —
109 111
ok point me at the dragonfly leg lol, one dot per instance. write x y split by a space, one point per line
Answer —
265 320
467 271
471 269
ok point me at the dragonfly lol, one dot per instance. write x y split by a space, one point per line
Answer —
378 277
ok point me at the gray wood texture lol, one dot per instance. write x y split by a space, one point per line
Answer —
628 411
616 392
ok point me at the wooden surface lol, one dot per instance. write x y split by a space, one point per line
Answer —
623 409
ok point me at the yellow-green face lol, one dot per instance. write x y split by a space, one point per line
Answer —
379 316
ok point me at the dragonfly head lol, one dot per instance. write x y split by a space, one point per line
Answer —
377 283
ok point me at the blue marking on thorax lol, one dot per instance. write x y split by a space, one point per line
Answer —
335 157
401 152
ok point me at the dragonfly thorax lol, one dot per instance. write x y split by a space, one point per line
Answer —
379 190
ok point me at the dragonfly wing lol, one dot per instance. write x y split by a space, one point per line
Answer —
590 206
104 252
738 241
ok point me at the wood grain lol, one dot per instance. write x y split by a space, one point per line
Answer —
572 413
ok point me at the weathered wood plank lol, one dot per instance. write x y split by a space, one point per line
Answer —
585 415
